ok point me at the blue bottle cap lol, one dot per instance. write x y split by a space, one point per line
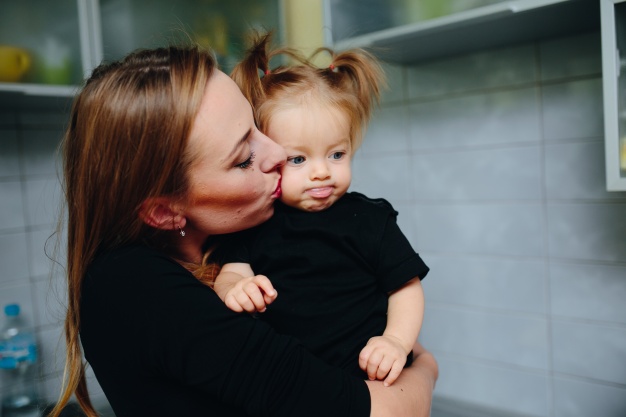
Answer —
12 310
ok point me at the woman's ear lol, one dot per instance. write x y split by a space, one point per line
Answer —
161 213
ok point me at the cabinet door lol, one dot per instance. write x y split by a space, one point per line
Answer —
613 13
40 44
221 25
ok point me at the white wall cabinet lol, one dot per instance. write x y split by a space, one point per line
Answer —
613 14
409 31
66 39
55 38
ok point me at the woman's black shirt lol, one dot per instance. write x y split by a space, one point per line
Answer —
163 344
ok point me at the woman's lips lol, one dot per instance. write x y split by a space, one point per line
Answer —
321 192
278 191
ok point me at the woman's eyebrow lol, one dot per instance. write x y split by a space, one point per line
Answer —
240 142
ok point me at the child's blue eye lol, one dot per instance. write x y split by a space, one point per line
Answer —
337 155
247 163
297 160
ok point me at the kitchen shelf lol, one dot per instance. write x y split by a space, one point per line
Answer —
485 27
40 89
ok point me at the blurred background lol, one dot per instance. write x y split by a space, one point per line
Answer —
497 142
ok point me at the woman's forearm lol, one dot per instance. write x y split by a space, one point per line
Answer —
411 394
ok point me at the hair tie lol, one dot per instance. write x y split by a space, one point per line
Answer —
267 71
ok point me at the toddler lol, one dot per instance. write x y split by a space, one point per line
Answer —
336 269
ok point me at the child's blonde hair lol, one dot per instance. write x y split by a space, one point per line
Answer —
351 83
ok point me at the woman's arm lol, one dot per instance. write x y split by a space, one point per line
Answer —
411 394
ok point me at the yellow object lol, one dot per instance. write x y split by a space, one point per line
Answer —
305 27
14 62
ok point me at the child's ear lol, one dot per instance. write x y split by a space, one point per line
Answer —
161 213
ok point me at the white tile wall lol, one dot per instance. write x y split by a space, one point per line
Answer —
591 231
28 214
588 291
573 56
581 162
493 385
514 339
14 253
504 168
481 71
573 109
481 228
11 205
601 345
9 160
479 174
490 283
480 119
575 397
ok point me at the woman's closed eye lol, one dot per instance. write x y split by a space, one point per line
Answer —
247 163
296 160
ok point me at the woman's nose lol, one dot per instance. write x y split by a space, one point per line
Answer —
274 155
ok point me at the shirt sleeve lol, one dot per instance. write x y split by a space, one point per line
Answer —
244 362
398 262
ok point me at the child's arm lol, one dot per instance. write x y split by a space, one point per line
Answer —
241 290
385 356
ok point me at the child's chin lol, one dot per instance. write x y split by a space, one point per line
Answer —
317 206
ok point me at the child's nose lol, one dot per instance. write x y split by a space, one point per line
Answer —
319 170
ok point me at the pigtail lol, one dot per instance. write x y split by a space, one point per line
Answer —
356 73
359 71
246 73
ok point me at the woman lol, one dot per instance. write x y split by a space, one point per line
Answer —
161 153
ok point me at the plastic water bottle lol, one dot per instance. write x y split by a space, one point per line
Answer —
18 357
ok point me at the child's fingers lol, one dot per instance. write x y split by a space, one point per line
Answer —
243 299
269 299
265 285
394 373
364 357
232 303
373 363
255 298
384 367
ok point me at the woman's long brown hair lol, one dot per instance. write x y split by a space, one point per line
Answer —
351 83
126 142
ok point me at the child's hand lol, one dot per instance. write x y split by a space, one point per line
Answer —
252 294
383 356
